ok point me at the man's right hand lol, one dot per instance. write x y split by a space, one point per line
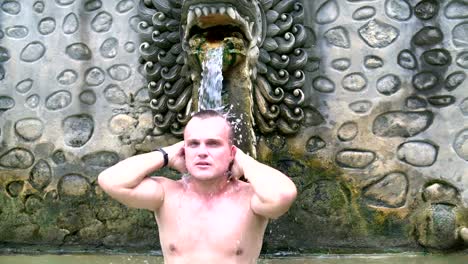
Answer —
176 154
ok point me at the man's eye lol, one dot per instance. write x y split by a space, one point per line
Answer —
192 144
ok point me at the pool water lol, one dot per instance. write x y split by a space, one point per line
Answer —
312 259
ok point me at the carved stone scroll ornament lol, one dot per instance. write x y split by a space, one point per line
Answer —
276 58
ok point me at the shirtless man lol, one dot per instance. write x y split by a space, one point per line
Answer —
208 216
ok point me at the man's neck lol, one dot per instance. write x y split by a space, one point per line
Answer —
207 188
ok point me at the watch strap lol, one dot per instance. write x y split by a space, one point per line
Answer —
166 157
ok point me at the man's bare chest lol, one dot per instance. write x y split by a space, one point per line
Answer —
211 223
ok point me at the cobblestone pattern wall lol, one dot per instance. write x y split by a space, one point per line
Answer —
386 107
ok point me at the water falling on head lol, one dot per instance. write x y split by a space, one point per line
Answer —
211 88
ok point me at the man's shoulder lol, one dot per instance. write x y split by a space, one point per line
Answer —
167 182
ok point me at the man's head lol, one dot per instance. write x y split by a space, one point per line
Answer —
209 148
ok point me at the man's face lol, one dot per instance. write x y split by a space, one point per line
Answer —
207 148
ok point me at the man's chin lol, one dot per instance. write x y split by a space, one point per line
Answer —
204 175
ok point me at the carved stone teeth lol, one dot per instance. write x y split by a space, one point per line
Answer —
214 10
206 11
231 12
222 10
190 17
198 12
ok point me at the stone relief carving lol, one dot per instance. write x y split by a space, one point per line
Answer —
275 38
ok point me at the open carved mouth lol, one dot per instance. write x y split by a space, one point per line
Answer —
220 20
232 24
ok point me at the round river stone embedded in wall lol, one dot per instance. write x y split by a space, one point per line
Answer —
462 59
94 76
115 95
14 188
373 62
92 5
73 185
33 52
70 24
426 9
323 84
33 101
88 97
314 144
17 32
428 36
417 153
454 80
399 10
78 51
121 123
109 48
460 145
339 37
103 159
354 82
33 203
348 131
364 13
457 9
377 34
464 106
341 64
40 175
46 25
415 102
407 60
24 86
17 158
78 129
120 72
437 57
441 100
6 103
67 77
441 193
11 7
58 100
390 191
388 84
102 22
29 129
361 106
64 2
402 124
356 159
38 7
327 12
425 80
124 6
4 54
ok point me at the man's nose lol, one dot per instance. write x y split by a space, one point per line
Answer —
202 150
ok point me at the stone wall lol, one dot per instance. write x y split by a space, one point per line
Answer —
380 160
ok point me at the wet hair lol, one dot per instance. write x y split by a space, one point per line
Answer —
205 114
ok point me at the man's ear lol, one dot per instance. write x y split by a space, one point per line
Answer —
233 151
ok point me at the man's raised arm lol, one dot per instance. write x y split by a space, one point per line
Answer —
274 191
127 180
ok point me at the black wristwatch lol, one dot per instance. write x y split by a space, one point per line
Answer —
166 157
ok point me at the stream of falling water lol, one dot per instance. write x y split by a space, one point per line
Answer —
210 91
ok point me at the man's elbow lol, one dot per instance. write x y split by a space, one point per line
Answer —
103 181
284 201
288 195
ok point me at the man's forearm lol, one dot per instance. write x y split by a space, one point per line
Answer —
270 185
131 171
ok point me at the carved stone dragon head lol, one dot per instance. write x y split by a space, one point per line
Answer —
264 80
